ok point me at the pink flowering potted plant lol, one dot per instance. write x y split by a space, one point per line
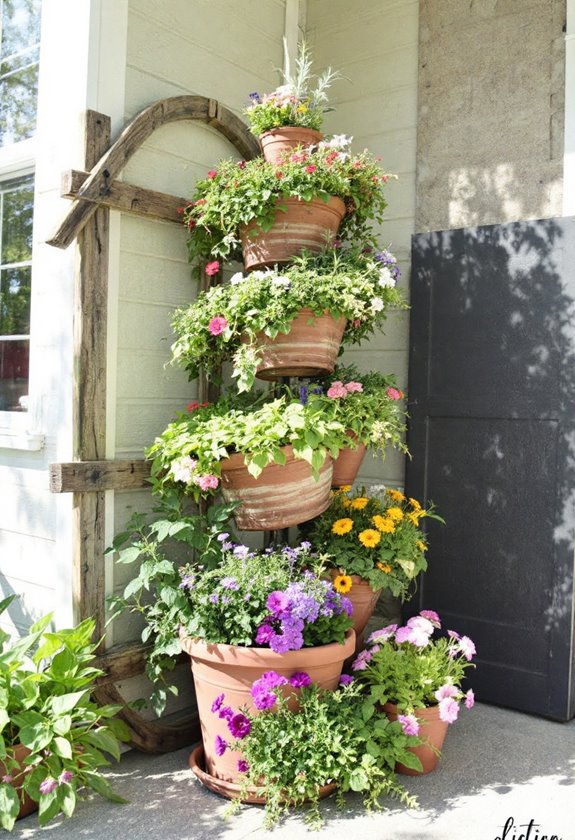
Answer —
52 733
418 679
288 322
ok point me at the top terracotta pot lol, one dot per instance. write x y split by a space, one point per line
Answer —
278 141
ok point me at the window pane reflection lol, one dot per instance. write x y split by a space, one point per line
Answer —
14 375
19 51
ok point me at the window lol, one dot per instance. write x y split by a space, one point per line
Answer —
19 53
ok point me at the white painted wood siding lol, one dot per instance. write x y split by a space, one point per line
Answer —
375 45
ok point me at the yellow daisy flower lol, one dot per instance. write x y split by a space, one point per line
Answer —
386 526
342 526
395 495
395 513
414 518
359 503
345 488
384 567
379 522
414 504
369 538
342 584
421 545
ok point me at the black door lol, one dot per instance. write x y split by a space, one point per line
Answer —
492 435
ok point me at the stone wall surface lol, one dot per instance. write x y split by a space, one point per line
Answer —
490 111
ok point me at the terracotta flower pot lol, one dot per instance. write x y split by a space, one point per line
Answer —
347 464
283 495
233 790
309 349
302 225
230 670
27 805
432 730
276 142
363 599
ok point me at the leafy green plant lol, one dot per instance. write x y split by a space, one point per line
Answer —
334 737
379 539
226 321
406 666
46 679
188 454
300 101
237 193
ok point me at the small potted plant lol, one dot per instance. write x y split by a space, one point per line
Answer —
53 736
417 680
272 457
373 542
267 214
274 323
370 407
254 612
332 739
292 114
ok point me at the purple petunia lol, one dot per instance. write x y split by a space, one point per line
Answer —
382 635
65 777
214 598
262 689
300 679
264 634
229 583
241 551
217 704
278 603
226 713
222 537
243 766
345 679
409 724
220 745
239 725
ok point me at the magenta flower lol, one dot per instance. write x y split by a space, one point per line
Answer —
207 482
432 616
212 268
345 679
243 766
300 679
217 704
263 699
48 785
220 745
467 647
277 602
218 323
409 724
448 709
469 699
264 634
65 777
446 690
239 726
226 713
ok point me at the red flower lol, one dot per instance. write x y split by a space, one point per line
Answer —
200 201
279 174
311 168
192 406
212 173
191 224
242 164
212 268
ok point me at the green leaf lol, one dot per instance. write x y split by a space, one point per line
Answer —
66 702
62 747
411 760
367 711
66 796
36 736
9 806
104 740
62 725
129 555
102 786
358 779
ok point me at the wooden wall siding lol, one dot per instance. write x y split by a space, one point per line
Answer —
376 46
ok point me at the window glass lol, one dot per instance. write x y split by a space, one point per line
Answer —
19 54
16 206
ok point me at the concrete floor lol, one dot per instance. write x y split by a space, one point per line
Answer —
498 767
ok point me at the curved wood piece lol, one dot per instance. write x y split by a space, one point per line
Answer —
164 111
148 735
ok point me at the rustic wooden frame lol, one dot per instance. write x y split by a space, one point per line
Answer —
95 191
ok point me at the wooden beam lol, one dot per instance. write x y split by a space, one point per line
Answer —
104 171
127 197
124 661
90 476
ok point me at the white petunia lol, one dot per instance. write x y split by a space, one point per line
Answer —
385 277
377 304
183 468
236 278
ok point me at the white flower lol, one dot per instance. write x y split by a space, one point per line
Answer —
337 141
385 277
278 280
377 304
183 468
236 278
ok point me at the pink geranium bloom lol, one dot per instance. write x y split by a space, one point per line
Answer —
212 267
217 325
207 482
393 394
409 724
446 690
453 634
432 616
336 390
467 647
353 387
403 634
469 699
212 173
311 168
448 709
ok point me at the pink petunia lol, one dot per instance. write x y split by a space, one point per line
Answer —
446 690
448 709
432 616
382 635
409 724
212 268
362 661
353 387
467 647
207 482
469 699
217 325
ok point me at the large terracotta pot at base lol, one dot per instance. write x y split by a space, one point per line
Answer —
346 465
283 495
432 730
230 670
301 225
233 790
276 142
310 347
27 805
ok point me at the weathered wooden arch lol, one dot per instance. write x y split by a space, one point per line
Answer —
94 192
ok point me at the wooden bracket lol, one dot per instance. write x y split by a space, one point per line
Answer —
92 476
